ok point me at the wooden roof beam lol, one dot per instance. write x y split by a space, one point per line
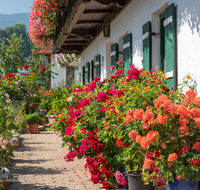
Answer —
84 33
69 39
96 11
74 43
68 21
89 22
61 8
108 2
61 50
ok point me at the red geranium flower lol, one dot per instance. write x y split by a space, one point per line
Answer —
41 68
26 67
63 119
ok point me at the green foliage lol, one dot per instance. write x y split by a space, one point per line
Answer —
53 100
17 50
12 55
20 31
33 118
35 61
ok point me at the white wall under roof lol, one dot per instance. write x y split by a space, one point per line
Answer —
136 14
61 73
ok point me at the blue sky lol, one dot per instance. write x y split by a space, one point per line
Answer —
15 6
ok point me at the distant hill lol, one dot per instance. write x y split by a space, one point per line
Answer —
8 20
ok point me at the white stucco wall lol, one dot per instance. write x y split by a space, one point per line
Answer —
61 73
137 13
76 73
98 46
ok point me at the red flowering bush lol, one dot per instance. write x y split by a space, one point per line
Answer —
131 120
53 99
170 128
96 122
22 88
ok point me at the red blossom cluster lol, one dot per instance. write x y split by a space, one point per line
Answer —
9 76
195 162
196 146
26 67
102 96
94 143
120 144
70 156
133 73
100 170
41 68
179 178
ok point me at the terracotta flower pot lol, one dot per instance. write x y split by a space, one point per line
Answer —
32 129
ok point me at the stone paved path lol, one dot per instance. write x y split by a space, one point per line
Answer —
39 161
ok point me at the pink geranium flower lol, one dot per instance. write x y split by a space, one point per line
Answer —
112 68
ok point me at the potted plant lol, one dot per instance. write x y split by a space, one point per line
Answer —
32 120
169 133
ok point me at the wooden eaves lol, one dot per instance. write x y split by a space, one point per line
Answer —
80 21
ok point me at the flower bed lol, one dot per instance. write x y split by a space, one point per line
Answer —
19 95
132 120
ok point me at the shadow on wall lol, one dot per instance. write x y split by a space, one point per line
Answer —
190 16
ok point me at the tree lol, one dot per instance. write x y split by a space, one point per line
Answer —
19 30
15 53
12 56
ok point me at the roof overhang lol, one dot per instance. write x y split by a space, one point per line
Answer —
80 22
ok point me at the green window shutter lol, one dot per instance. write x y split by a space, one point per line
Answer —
127 51
114 56
98 66
162 42
87 72
146 32
92 71
83 75
170 49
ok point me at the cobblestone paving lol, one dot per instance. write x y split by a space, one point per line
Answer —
39 164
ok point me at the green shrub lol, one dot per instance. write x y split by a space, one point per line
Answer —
33 118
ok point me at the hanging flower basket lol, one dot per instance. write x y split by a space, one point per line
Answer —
63 60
